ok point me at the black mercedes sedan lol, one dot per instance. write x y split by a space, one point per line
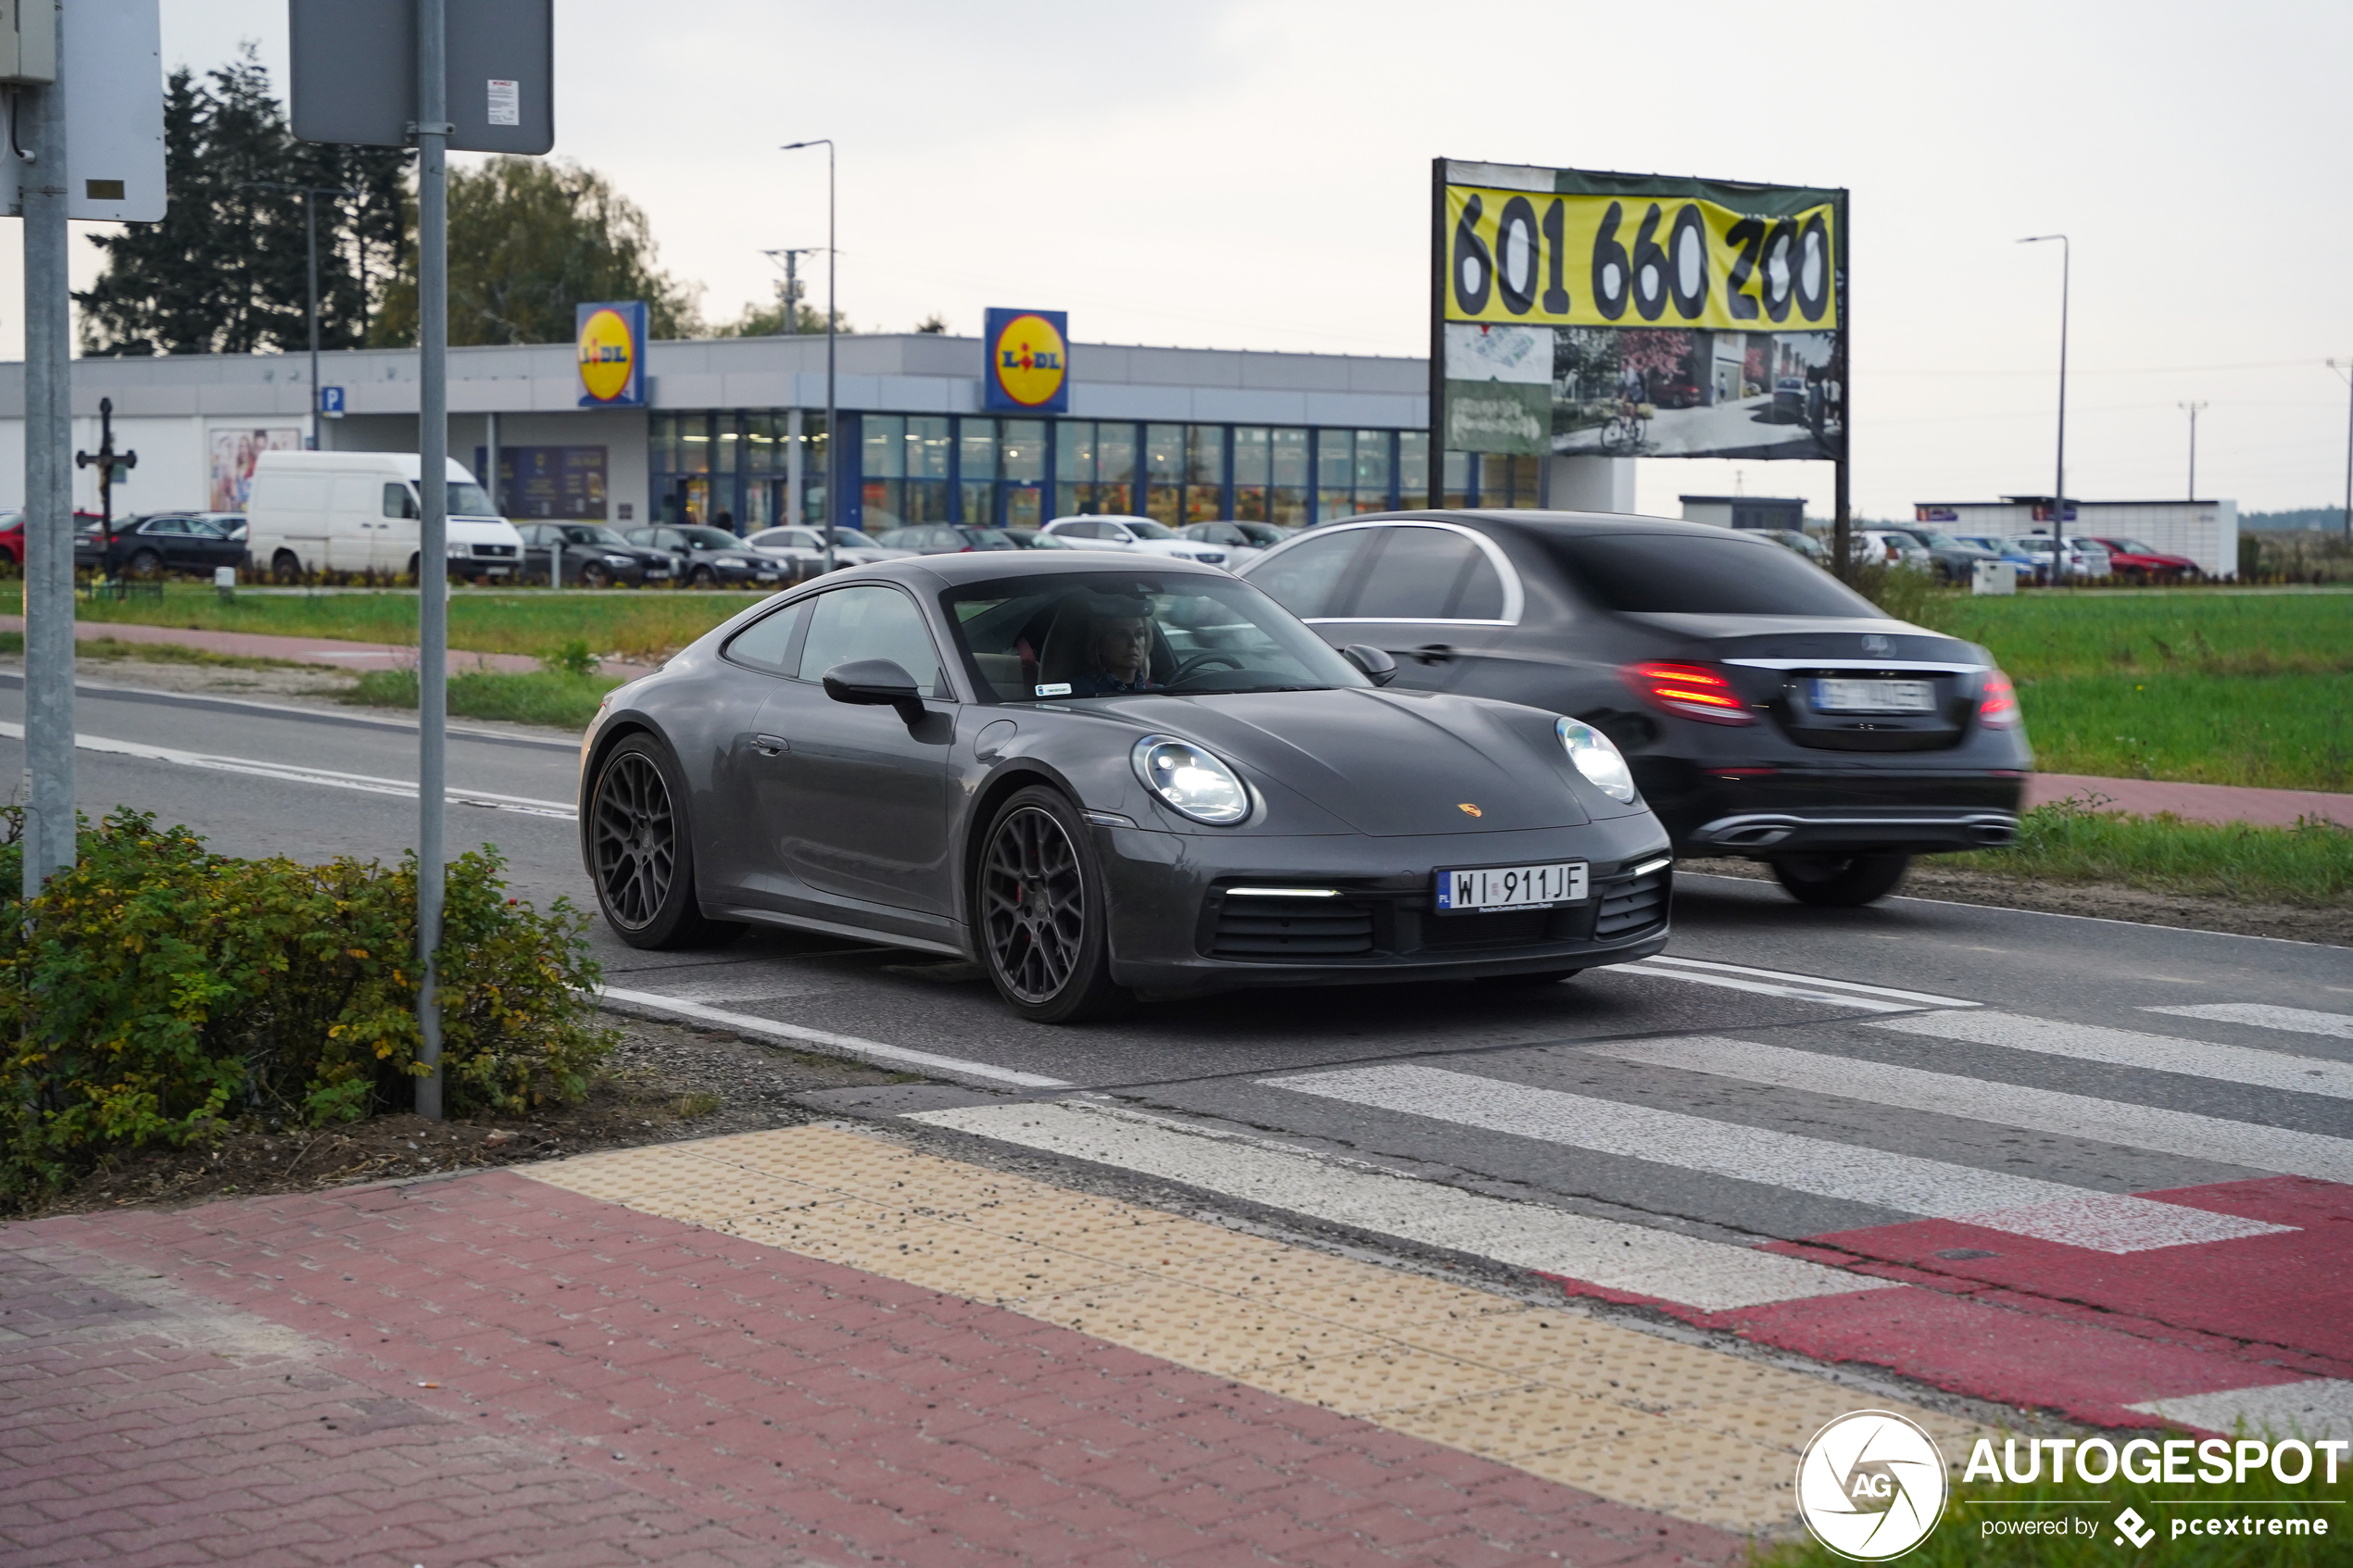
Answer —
1103 778
1767 711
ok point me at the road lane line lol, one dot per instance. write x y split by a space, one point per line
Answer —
2184 1133
1634 1260
848 1045
2322 1408
2263 1015
2020 1205
2126 1047
1923 998
1796 986
288 772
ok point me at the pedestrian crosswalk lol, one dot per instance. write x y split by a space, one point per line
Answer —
1944 1172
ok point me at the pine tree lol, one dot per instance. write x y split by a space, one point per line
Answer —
224 271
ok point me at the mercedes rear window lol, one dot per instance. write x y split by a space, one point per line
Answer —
1682 574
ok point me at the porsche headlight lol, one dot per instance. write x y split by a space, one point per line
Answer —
1191 780
1597 757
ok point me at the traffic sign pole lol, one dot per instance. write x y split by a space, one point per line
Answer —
48 476
433 529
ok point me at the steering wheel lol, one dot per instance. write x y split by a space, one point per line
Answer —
1215 656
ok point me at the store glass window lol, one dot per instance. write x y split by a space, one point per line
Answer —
1114 468
883 468
662 443
1457 479
1510 482
1372 471
1165 473
926 447
1024 450
726 443
1287 495
814 449
1252 472
693 452
1205 474
1412 469
976 470
763 444
1335 473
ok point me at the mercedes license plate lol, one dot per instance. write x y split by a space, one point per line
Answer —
1874 697
1511 887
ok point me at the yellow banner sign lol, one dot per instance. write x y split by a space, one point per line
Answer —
1529 259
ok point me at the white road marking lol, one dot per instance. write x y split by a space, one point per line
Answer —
2317 1408
2045 1111
1798 987
288 772
1810 982
2263 1015
1996 1200
1709 1275
2126 1047
847 1045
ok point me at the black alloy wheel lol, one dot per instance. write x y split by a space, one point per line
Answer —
1044 921
146 563
642 854
1839 882
702 577
596 575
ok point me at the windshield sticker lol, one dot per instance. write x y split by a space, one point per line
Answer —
1059 688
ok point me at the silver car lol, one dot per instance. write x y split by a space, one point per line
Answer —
805 547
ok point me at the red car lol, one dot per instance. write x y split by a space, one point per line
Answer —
12 537
2130 559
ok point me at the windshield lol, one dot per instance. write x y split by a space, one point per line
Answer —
710 538
850 537
1075 634
987 539
1677 573
469 499
1938 541
589 533
2132 546
1144 528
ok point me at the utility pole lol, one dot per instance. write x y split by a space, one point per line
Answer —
2194 408
40 124
2058 500
433 529
833 318
311 194
2344 369
108 459
790 262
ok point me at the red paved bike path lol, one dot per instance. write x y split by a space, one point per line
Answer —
490 1370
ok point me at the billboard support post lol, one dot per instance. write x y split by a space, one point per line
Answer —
48 718
1843 493
432 532
1438 339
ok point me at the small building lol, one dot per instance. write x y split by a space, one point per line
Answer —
1746 511
2206 532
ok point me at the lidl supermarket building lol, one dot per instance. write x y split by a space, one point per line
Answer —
733 432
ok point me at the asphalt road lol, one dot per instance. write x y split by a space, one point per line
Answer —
1920 1135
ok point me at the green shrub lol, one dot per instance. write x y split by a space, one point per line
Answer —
155 992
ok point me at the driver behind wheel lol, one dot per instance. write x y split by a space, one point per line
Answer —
1115 649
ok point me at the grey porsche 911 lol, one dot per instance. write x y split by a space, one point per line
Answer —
1100 778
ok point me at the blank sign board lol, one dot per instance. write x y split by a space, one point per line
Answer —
114 116
354 68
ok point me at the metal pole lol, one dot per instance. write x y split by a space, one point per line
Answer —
2058 500
310 237
833 434
433 528
2194 408
2347 366
1842 497
48 500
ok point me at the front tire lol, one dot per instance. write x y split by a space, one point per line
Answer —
1044 919
1839 882
596 575
702 577
146 563
641 851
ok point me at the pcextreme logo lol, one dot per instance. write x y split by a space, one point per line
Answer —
1029 360
1871 1485
608 354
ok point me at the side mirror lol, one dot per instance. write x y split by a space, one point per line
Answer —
1376 665
875 683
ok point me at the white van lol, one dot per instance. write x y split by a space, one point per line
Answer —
311 512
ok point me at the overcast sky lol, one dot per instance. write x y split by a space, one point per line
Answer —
1255 174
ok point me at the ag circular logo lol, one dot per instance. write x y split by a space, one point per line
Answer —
1029 360
1871 1485
608 354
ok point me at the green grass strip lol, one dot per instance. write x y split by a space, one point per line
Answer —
2276 731
2311 864
558 699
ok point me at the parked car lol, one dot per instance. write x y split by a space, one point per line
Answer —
165 541
1037 539
1241 541
947 539
1797 541
2083 558
12 538
1095 778
1767 711
311 512
2136 562
1955 559
1889 547
1137 533
592 554
710 558
2022 564
806 548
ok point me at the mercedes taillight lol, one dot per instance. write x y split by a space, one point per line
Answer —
1688 691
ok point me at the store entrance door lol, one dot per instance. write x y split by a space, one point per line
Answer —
1021 506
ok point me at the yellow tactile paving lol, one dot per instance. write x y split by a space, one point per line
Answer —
1627 1415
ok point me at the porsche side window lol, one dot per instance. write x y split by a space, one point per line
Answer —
767 643
1307 578
1428 575
871 623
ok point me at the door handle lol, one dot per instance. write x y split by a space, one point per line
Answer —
770 745
1433 653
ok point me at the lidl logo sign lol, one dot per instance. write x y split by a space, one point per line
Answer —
611 343
1028 369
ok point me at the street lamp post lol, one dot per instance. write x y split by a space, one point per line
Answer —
311 194
2345 366
2193 410
2058 501
833 435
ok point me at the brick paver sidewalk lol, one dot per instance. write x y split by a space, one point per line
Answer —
489 1369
